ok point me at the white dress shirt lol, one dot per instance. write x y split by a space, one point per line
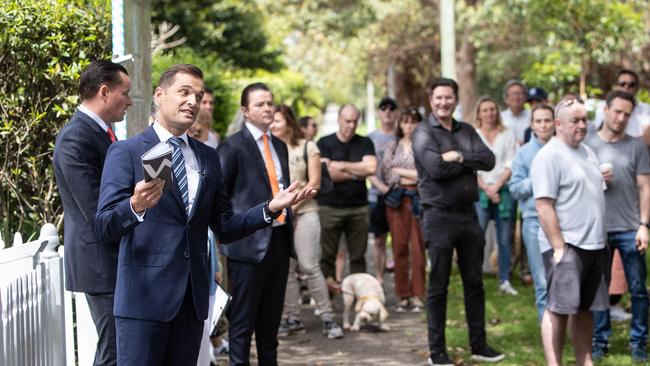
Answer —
95 117
191 164
517 124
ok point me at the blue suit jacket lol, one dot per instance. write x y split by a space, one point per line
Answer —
159 254
79 153
246 181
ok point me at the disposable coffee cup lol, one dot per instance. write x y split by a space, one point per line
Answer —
606 168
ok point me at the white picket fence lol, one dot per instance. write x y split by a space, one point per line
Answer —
42 324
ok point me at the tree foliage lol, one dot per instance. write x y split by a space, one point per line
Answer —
44 45
232 30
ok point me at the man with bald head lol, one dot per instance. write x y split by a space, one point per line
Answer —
568 188
350 159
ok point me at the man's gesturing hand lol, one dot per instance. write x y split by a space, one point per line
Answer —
146 194
289 197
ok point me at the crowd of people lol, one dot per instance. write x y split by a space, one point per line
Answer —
269 207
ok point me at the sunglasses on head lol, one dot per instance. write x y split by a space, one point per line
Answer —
627 84
571 101
385 107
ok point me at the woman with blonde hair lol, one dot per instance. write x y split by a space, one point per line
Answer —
304 167
495 202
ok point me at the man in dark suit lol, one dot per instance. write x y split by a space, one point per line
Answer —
255 165
79 153
161 296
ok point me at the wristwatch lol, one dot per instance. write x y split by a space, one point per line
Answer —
268 215
647 225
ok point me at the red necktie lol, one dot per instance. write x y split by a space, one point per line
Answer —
111 134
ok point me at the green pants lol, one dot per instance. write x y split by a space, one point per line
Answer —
353 221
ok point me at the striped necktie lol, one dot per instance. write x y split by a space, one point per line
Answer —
178 164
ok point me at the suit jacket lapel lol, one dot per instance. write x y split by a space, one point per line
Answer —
202 167
90 123
255 153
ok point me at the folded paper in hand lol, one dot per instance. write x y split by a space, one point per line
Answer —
157 163
221 301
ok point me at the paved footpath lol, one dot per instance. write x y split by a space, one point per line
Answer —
404 344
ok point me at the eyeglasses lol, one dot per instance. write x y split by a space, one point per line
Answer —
385 107
627 84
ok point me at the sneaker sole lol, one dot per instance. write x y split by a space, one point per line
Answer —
329 336
290 333
335 336
488 359
440 364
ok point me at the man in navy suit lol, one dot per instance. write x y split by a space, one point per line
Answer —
254 164
161 296
79 153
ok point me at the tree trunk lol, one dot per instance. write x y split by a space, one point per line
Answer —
466 74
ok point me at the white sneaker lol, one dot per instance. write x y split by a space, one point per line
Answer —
618 314
508 289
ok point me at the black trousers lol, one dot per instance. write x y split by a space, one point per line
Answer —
443 232
257 291
101 310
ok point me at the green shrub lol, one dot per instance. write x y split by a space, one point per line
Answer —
44 45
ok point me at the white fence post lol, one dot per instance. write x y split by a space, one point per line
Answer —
31 302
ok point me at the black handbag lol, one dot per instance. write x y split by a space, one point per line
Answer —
326 183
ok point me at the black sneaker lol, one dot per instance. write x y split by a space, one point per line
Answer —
440 359
487 354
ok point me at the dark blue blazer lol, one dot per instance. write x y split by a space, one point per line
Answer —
158 255
79 153
246 181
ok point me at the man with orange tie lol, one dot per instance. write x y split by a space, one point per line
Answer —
255 167
79 154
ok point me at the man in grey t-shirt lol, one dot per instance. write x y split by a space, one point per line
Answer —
625 163
378 223
568 190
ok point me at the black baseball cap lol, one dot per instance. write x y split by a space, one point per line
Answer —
537 94
388 102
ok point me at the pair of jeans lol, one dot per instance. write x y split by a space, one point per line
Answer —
504 234
529 230
306 242
443 232
635 274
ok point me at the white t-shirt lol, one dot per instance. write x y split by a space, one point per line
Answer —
517 124
504 149
572 178
639 119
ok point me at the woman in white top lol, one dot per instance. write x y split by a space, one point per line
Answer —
495 201
304 167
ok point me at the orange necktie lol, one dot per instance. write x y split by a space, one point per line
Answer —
270 170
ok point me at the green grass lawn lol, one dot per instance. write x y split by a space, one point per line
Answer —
512 327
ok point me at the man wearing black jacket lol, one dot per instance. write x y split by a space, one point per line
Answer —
79 154
447 155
